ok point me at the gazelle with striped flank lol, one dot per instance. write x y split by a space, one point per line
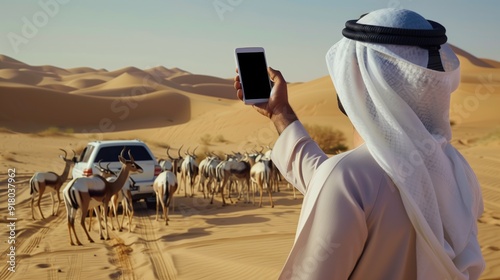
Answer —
189 171
124 196
165 186
260 175
235 169
51 182
88 192
207 174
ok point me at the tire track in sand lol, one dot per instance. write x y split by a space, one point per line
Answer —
26 246
52 272
122 257
163 267
75 268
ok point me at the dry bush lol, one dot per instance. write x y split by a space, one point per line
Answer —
203 150
201 153
55 131
206 139
209 140
219 138
329 140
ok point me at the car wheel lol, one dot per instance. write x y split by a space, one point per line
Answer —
150 202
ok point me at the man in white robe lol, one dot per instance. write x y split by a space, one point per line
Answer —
401 205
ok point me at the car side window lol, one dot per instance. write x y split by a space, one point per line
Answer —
84 157
110 154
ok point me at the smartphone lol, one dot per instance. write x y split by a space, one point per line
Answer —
254 79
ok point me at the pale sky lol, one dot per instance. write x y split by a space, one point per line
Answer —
199 36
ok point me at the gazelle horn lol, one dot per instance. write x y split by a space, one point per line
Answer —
65 153
179 151
130 156
170 157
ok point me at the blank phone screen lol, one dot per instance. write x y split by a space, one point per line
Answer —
254 77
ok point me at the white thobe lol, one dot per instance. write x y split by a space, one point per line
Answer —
353 224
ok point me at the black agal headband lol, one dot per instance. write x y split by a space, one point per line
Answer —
430 39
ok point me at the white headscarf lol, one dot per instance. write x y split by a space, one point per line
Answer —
401 109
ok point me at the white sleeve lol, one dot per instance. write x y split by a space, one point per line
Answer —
297 156
332 235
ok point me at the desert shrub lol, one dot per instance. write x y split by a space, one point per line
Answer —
51 131
55 131
206 139
201 153
329 140
69 131
220 139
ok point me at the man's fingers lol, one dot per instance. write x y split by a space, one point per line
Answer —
275 75
272 73
239 93
237 85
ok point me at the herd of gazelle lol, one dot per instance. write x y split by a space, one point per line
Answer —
244 172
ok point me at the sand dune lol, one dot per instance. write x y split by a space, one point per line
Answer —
129 70
116 92
492 62
193 79
80 70
76 112
214 90
174 107
53 69
320 90
21 76
468 57
84 83
124 80
58 87
10 63
161 71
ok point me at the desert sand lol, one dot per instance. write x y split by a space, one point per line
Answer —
44 108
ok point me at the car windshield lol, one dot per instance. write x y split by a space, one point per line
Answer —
110 154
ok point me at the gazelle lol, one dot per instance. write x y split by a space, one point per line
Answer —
207 174
203 172
88 192
124 196
274 174
51 182
168 164
189 171
234 169
260 175
165 186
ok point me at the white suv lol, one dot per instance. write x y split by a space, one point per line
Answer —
108 151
